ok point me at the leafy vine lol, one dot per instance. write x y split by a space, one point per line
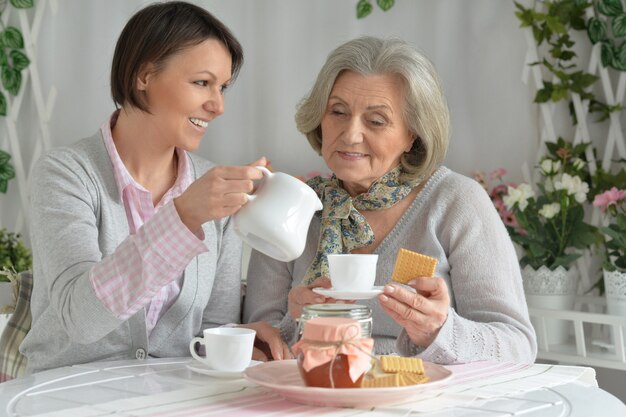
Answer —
364 7
13 61
608 27
12 57
551 24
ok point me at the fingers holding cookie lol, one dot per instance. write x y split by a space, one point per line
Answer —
420 316
429 287
423 311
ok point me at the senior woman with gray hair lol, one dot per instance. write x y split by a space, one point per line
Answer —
378 117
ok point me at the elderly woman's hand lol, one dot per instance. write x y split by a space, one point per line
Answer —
420 313
303 295
268 344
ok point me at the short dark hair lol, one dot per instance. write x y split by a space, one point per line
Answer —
157 32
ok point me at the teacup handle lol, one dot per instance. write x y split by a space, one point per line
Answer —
192 348
266 173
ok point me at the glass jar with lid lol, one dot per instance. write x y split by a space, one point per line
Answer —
332 353
361 313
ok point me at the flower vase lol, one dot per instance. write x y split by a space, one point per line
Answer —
615 290
553 290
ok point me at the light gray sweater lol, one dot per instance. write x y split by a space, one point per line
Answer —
453 220
77 219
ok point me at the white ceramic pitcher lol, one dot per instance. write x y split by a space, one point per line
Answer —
276 219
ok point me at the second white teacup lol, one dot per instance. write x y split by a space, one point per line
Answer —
227 348
352 271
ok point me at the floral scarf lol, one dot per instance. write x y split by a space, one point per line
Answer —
343 227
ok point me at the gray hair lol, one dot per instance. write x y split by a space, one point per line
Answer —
425 110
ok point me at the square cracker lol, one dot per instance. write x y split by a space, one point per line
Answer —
406 378
400 379
411 264
395 371
381 381
402 364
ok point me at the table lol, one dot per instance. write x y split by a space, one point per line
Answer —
167 388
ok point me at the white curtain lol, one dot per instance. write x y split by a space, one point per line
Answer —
476 45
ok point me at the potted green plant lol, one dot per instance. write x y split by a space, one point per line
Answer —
15 257
551 230
550 224
612 203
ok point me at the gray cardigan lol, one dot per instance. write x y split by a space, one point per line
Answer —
77 219
453 220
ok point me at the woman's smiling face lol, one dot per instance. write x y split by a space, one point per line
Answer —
363 129
188 92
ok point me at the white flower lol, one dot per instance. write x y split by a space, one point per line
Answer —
519 195
550 167
581 195
578 164
574 185
548 211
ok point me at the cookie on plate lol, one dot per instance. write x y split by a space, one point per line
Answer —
394 371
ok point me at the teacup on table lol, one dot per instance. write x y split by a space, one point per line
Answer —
227 348
352 271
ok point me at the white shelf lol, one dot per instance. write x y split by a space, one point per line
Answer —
592 336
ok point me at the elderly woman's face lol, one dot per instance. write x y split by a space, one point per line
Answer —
363 129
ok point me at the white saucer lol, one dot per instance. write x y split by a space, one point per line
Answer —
349 295
201 368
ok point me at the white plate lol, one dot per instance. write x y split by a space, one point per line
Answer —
349 295
284 378
205 370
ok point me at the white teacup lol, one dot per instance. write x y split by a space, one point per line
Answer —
275 220
352 271
227 348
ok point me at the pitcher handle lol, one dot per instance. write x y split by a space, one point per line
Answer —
266 174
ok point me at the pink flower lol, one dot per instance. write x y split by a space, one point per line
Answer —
563 153
498 203
508 218
609 197
499 191
497 173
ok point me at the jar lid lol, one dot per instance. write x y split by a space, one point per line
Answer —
331 329
333 307
355 311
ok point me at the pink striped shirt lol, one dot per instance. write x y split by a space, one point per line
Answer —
146 269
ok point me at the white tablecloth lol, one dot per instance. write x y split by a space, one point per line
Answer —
167 388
